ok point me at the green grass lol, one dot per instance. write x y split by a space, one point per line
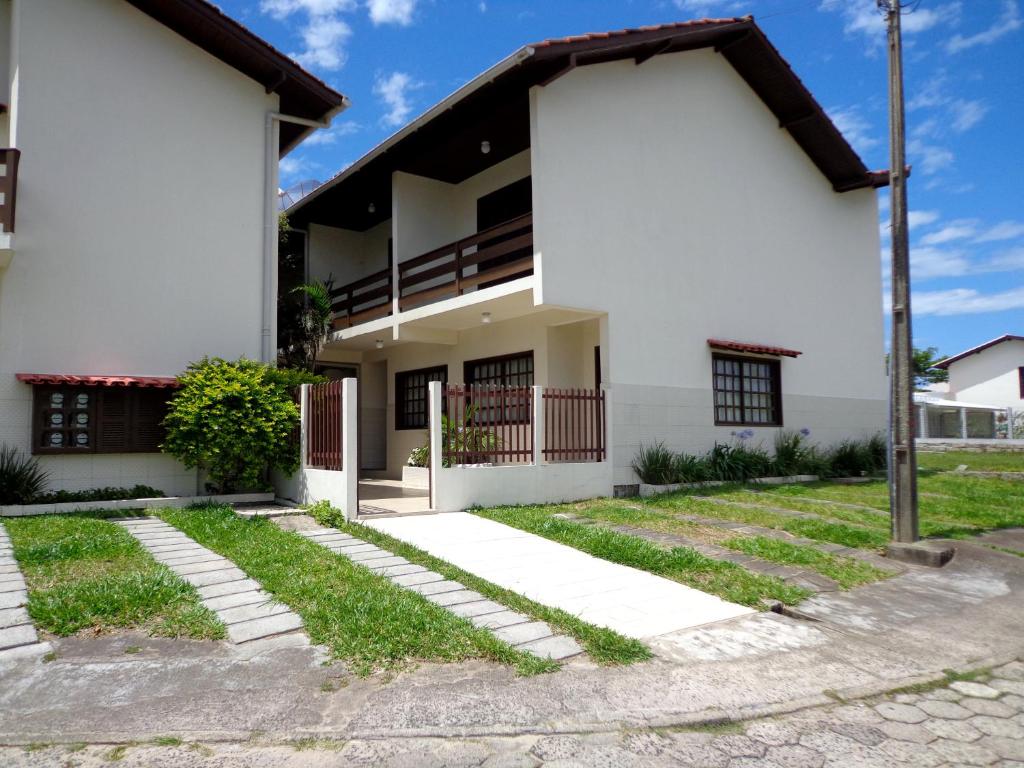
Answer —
978 462
603 645
85 573
360 616
845 571
681 564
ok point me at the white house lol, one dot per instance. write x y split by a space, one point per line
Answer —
985 391
665 214
142 140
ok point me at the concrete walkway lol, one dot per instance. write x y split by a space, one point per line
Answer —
18 636
632 602
516 629
247 611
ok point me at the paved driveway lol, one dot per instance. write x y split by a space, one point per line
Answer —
632 602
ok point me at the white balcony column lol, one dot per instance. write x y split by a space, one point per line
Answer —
303 425
434 437
922 420
963 423
350 445
538 425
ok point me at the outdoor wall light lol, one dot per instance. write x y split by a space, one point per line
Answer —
485 147
485 317
379 344
371 208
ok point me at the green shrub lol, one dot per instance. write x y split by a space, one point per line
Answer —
99 494
737 462
235 420
878 450
654 464
325 514
21 477
419 457
687 468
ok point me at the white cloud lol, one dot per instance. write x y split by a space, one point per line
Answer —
966 114
332 134
706 8
391 11
966 301
960 229
324 33
853 125
921 218
393 90
929 157
292 167
1004 230
482 6
863 17
1009 22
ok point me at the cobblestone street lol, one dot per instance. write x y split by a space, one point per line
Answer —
968 722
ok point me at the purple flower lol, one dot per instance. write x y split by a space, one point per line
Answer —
805 432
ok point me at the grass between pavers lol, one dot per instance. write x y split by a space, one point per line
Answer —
360 616
844 571
603 645
682 564
85 573
1005 461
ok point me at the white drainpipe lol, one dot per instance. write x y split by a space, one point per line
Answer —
268 327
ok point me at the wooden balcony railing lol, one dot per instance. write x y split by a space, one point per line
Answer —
498 253
8 187
365 299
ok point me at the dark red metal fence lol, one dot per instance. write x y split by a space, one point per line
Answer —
487 425
574 425
323 426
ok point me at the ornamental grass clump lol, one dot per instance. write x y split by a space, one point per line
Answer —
236 421
22 480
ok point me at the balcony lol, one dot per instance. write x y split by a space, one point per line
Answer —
8 187
487 258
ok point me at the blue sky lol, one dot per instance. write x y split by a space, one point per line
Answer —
965 98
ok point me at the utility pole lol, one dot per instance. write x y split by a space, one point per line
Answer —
902 460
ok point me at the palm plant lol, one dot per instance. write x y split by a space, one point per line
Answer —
314 321
22 480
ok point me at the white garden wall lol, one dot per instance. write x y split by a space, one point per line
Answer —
459 488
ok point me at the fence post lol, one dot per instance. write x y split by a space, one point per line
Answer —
434 436
303 426
350 445
538 425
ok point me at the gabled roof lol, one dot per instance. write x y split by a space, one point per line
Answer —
422 146
205 25
975 350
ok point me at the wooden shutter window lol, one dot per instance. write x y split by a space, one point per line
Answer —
117 419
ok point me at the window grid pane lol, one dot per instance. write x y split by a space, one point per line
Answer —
746 391
411 388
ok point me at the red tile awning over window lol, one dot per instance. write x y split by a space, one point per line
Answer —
757 349
97 381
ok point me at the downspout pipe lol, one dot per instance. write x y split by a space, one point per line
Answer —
268 325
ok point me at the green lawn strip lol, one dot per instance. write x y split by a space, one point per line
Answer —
603 645
819 530
85 573
845 571
1007 550
979 462
360 616
832 512
682 564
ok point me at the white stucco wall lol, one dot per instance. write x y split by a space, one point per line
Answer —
990 377
346 254
667 196
140 214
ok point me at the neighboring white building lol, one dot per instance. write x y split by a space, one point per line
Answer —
667 213
148 133
985 392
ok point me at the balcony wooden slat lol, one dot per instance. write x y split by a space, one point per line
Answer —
376 277
428 295
505 270
507 246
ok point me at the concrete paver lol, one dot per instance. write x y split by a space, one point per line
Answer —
18 636
239 602
630 601
518 630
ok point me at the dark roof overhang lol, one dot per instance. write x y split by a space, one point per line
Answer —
495 106
300 93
